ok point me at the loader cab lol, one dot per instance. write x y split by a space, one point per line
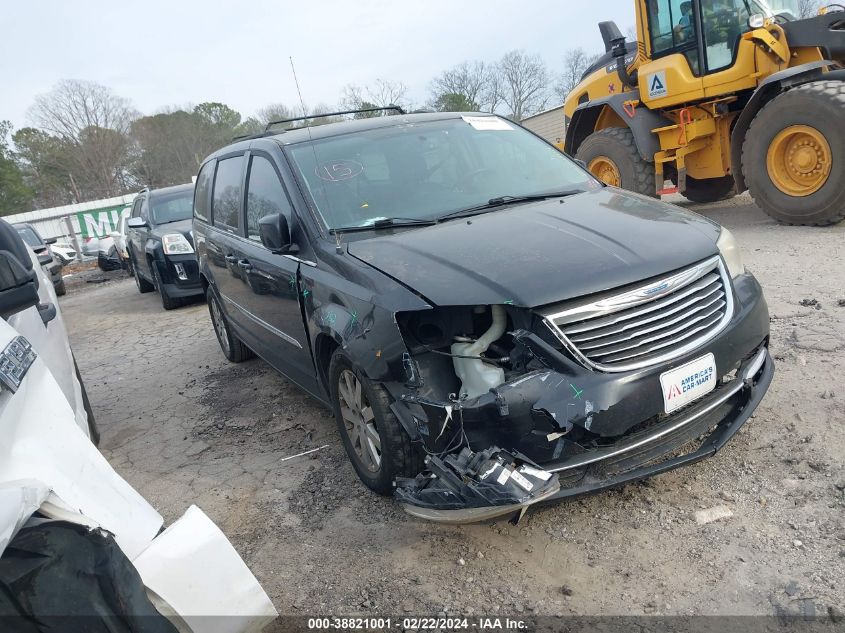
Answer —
706 32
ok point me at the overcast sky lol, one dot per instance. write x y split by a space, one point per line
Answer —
180 52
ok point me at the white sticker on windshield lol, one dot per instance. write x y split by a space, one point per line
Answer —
487 122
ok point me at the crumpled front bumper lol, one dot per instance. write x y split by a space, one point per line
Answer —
595 430
695 433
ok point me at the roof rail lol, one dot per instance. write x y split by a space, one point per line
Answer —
268 131
246 137
394 108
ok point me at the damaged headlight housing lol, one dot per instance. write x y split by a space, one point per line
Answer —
729 248
176 244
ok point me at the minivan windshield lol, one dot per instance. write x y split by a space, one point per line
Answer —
172 207
428 170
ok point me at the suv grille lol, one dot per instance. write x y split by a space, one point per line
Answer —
650 324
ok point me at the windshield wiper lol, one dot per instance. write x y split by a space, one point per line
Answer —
500 201
383 223
172 221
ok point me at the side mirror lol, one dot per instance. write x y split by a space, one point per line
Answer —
18 280
275 233
18 286
756 21
136 223
52 240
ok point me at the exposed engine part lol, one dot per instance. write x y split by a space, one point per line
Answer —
468 486
477 377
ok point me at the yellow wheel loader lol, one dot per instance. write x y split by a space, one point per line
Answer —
720 96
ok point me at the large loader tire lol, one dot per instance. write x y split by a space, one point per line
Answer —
611 155
793 157
710 189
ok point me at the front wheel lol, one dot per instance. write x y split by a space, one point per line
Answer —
167 302
611 155
377 445
142 284
793 156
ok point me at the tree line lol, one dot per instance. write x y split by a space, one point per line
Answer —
85 142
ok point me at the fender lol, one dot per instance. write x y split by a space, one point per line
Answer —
822 31
153 251
768 89
378 350
583 123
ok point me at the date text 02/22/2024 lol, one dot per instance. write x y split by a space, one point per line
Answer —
415 623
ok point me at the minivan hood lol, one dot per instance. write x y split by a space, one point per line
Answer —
543 252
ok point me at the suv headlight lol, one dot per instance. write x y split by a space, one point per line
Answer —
729 249
176 244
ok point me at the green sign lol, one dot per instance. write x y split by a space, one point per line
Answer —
101 222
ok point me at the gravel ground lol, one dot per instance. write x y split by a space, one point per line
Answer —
183 426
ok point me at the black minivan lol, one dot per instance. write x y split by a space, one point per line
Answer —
491 326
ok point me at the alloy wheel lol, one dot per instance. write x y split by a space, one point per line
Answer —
220 327
359 420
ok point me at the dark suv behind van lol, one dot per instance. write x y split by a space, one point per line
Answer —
160 244
491 326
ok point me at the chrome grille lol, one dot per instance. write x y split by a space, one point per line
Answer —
649 324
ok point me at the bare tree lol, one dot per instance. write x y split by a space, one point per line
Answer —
493 95
524 80
380 94
94 124
808 8
575 62
470 80
275 112
73 106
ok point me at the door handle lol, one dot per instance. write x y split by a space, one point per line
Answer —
231 259
244 264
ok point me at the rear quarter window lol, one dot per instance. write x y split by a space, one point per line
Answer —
226 198
202 191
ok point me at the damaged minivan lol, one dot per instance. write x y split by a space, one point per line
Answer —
492 326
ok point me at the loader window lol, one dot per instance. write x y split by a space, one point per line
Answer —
724 22
672 29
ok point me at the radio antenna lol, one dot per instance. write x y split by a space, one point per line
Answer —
299 92
338 246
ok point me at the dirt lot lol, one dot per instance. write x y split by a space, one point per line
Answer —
184 426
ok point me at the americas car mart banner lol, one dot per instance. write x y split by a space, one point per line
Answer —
100 222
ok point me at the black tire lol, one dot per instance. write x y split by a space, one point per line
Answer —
231 346
710 190
617 144
167 302
399 457
60 288
93 431
821 106
142 284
